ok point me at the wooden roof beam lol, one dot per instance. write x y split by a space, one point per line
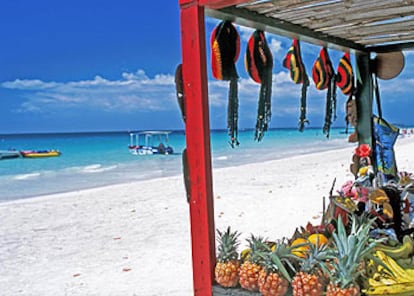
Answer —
217 4
247 18
391 47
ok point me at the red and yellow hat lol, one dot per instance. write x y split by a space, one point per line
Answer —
259 64
345 75
225 50
293 62
322 71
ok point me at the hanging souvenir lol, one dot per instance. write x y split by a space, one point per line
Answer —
351 118
324 77
225 50
345 81
385 136
293 62
345 75
179 89
259 65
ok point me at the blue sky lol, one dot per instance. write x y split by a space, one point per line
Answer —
109 65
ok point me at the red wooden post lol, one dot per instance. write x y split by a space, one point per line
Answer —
198 145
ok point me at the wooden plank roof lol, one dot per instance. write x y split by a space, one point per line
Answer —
361 25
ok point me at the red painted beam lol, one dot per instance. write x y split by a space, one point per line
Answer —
198 145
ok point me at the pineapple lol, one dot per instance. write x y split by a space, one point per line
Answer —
350 252
251 267
228 264
310 280
274 278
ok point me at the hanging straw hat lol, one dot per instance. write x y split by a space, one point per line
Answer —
389 65
345 75
259 65
225 50
293 62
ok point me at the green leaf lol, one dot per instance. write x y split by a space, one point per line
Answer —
280 267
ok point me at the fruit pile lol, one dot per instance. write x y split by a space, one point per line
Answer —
342 257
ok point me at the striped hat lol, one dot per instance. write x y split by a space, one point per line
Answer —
345 75
293 62
324 77
225 50
322 71
259 64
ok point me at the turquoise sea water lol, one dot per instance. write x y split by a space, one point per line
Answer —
97 159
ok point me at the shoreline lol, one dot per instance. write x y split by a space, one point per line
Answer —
79 168
349 149
168 175
134 238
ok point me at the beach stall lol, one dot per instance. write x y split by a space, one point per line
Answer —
375 32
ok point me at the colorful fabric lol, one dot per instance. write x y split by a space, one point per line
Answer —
293 62
324 77
345 75
322 71
259 65
225 50
385 135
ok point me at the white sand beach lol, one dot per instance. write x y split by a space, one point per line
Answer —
134 239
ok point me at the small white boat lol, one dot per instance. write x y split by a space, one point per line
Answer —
7 154
150 142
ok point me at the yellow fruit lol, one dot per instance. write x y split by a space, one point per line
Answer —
227 266
272 284
403 250
249 276
333 290
302 248
317 239
307 284
227 274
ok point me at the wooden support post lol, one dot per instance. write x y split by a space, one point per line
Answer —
364 100
198 145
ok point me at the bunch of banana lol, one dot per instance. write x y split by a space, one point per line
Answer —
401 289
406 263
389 278
403 251
246 253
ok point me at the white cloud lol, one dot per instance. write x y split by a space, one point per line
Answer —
28 84
275 45
135 91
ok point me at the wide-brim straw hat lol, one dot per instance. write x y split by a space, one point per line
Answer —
389 65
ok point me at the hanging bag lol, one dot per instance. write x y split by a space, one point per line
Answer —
385 136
